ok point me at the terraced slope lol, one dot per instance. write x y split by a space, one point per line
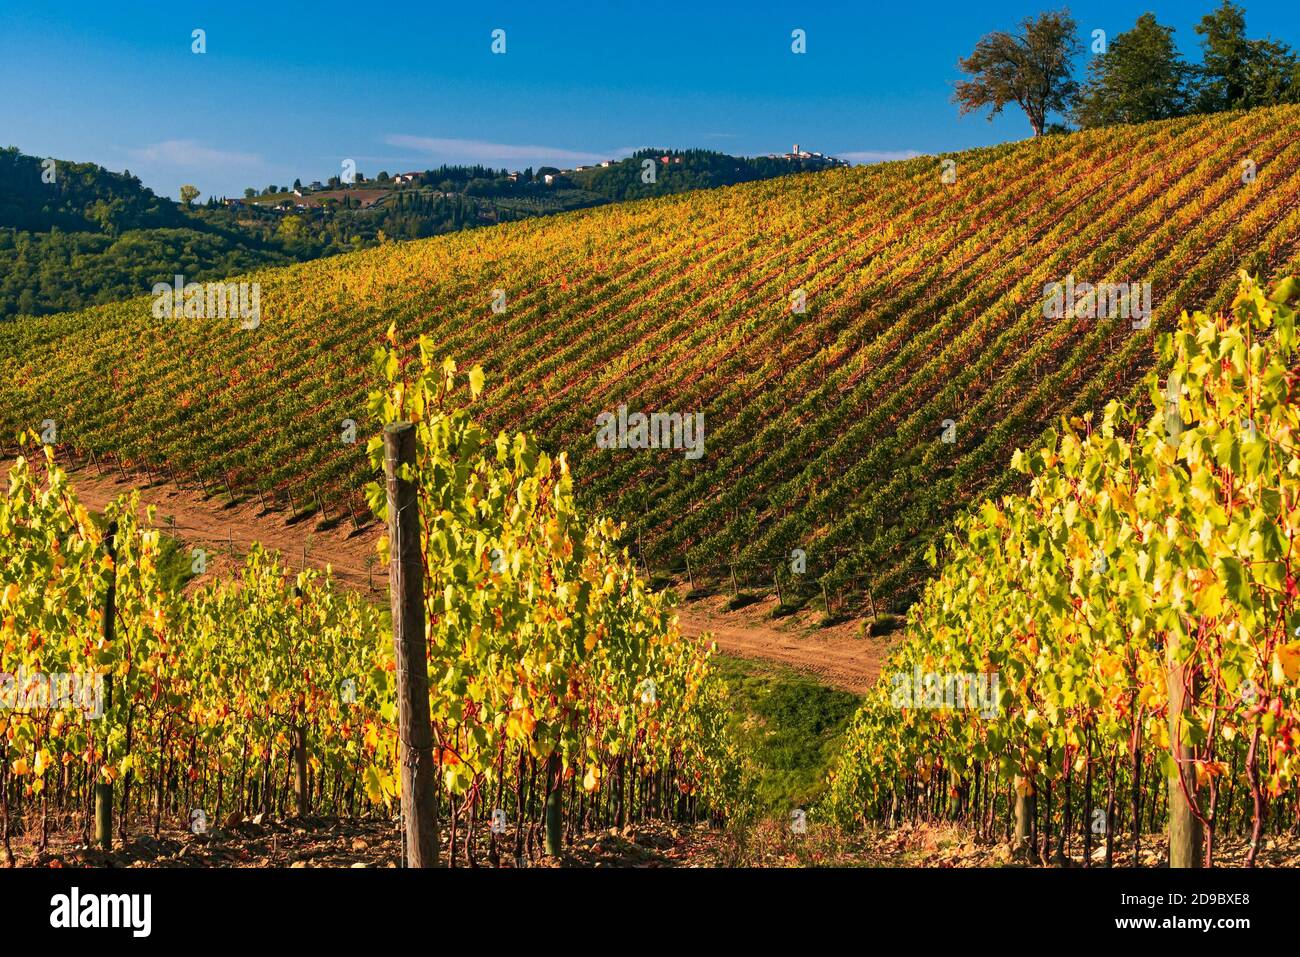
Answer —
823 428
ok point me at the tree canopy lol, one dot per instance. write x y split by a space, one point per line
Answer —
1031 68
1139 78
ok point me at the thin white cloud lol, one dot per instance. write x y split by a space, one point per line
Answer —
879 156
192 154
451 150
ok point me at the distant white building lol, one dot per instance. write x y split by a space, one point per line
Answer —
548 178
821 159
406 177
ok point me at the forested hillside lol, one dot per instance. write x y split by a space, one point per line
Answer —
75 234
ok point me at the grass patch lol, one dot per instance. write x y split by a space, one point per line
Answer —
883 624
742 599
789 728
787 608
658 581
175 564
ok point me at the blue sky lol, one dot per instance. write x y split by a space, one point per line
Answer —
292 91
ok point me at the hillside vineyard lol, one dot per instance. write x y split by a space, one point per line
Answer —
864 347
1125 633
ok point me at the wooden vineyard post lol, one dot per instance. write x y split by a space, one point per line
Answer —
406 588
1026 807
640 553
689 577
776 580
554 809
1186 835
300 768
1087 804
826 600
734 590
103 789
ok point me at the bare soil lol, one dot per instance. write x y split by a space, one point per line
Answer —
836 655
348 843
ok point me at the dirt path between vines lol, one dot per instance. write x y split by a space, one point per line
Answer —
836 656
